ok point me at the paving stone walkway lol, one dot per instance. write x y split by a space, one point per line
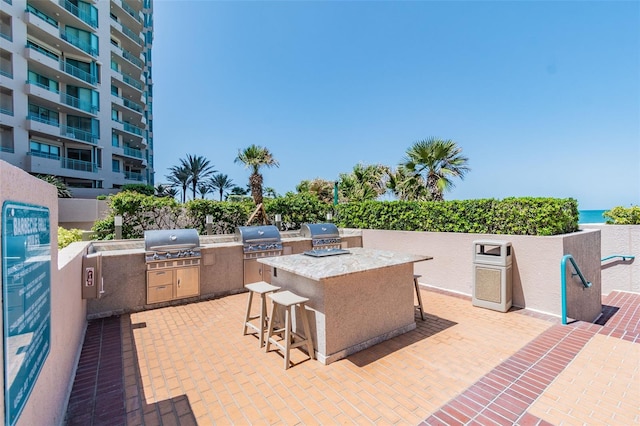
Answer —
191 365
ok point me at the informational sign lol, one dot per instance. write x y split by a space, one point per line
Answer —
26 301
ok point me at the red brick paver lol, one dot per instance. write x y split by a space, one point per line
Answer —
191 365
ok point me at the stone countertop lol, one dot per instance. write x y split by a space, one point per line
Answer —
357 260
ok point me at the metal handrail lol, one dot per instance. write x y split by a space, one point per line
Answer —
624 257
563 277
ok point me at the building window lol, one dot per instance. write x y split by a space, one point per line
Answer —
6 139
42 81
114 90
40 149
115 139
44 115
115 166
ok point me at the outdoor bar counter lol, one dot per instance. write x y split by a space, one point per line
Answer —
356 300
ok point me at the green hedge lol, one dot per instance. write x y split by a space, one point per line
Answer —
623 215
513 216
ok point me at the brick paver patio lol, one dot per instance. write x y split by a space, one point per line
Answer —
190 364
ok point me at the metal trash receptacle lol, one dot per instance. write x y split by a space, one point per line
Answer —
492 275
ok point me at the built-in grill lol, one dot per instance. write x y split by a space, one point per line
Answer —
257 242
323 235
173 264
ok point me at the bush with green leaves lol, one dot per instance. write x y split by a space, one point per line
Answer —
68 236
139 213
297 209
514 216
226 215
140 188
623 215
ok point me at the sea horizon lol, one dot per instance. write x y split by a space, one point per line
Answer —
591 216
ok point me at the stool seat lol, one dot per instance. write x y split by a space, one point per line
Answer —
287 298
261 288
289 339
418 295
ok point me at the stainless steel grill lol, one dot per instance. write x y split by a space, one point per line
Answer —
173 264
258 242
166 245
323 235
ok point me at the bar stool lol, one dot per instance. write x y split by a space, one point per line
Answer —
417 286
290 339
262 288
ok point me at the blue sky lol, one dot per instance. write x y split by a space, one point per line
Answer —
542 96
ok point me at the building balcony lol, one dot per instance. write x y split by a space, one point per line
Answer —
128 80
43 126
79 44
134 176
128 33
41 26
77 103
132 14
76 72
42 58
78 135
83 16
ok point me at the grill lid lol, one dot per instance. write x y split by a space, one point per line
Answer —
171 239
257 234
319 230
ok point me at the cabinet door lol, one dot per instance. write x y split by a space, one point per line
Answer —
187 282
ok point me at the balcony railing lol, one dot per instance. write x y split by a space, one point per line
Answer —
6 111
42 86
82 45
133 176
83 135
131 105
7 149
49 121
44 155
78 103
84 166
130 11
132 58
6 36
84 16
131 82
132 152
43 51
47 19
133 36
77 72
6 74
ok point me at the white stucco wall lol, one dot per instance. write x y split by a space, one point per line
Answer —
81 213
616 273
536 264
48 400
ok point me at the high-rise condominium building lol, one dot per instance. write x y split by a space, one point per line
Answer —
76 91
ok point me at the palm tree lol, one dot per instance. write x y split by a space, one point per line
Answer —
199 168
61 187
364 183
323 189
255 157
203 189
436 161
407 186
221 183
180 177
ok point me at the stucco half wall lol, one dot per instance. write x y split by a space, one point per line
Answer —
48 400
536 266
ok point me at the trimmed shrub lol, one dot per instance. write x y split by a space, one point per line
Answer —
623 215
514 216
68 236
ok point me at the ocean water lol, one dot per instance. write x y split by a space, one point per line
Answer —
591 216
